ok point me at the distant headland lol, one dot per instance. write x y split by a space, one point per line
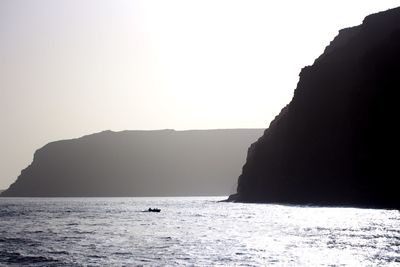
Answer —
137 163
335 143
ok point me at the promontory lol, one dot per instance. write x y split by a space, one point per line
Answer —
137 163
335 143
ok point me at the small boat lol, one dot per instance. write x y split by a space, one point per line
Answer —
152 210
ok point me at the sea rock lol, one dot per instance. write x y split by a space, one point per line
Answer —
335 143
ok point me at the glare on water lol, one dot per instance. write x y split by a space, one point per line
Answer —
192 231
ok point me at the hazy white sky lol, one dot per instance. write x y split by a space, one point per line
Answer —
71 67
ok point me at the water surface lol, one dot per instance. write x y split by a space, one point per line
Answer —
192 231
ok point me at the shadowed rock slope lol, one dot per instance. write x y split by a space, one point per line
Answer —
138 163
336 142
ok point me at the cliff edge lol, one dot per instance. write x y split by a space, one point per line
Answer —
137 164
334 143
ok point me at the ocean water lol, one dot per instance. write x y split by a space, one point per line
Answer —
192 232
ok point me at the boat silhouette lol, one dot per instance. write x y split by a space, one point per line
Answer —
152 210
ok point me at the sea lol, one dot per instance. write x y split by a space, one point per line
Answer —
192 231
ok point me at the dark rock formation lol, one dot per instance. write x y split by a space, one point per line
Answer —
138 163
336 142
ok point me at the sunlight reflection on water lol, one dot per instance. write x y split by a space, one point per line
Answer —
192 231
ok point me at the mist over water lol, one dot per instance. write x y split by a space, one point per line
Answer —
192 231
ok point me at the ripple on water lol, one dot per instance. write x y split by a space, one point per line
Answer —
18 258
192 231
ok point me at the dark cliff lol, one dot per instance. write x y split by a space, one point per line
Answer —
138 163
335 143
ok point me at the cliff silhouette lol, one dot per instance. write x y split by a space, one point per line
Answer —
137 163
335 142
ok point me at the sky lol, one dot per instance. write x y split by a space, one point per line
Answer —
70 68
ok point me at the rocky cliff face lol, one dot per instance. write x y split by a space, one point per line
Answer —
138 163
335 143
